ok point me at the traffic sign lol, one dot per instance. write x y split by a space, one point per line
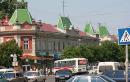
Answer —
124 36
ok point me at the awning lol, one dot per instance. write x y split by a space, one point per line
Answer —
29 56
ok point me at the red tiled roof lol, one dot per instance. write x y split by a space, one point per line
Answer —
81 33
114 37
49 28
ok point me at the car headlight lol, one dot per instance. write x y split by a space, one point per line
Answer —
57 76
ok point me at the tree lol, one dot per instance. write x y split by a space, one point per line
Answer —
7 7
112 51
107 51
70 52
6 49
76 52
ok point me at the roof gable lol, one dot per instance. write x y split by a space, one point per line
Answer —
102 31
64 22
21 15
89 29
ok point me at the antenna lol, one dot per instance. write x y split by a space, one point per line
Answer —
16 5
63 8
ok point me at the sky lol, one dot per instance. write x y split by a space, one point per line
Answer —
112 13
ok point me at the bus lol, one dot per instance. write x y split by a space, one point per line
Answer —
73 64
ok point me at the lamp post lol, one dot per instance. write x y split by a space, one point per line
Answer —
15 62
79 42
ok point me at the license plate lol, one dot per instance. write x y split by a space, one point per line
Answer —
62 77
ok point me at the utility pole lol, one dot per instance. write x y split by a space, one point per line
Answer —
126 63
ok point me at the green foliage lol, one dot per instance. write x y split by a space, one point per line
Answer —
107 51
7 7
70 52
6 49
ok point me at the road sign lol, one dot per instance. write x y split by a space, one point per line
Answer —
124 39
124 36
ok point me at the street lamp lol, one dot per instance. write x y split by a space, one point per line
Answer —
15 62
79 42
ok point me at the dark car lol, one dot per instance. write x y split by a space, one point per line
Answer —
117 75
15 77
2 78
62 75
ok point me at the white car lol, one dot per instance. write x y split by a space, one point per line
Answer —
35 76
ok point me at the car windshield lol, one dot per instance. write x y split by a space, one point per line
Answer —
63 72
107 78
81 79
93 79
31 74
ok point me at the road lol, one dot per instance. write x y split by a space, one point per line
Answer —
51 79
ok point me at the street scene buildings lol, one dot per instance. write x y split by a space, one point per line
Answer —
42 43
39 39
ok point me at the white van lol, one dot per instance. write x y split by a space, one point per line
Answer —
103 66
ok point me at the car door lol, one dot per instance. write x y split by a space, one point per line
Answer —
41 76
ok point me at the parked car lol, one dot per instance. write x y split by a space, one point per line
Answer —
35 76
117 75
15 76
93 70
6 70
2 78
90 78
62 75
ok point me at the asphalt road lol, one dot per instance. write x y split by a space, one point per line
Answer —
51 79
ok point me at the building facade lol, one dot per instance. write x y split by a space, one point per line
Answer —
39 39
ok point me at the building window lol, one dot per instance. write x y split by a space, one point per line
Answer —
26 44
59 45
63 45
54 45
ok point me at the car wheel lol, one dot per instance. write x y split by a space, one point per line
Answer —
56 80
36 80
25 81
43 80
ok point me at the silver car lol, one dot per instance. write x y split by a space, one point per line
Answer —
35 76
90 78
